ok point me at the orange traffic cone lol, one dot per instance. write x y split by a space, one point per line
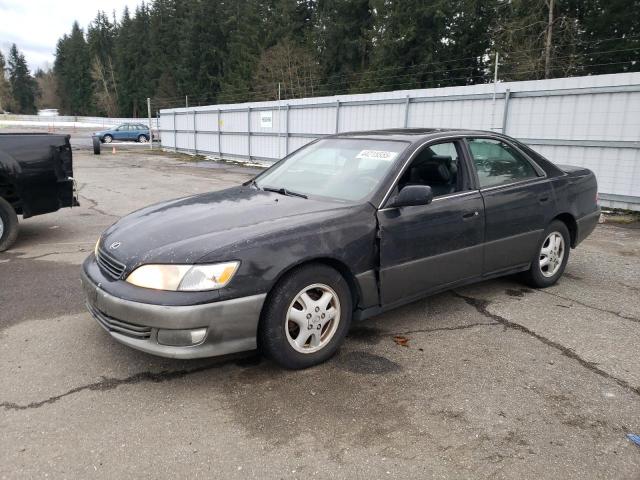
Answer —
113 150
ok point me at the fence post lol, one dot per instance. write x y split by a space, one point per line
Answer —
195 133
249 132
406 112
175 133
219 143
286 131
505 113
150 129
337 116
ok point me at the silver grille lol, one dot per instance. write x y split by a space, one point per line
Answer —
110 265
112 325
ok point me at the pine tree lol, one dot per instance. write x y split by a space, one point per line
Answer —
100 41
72 68
24 88
5 88
609 39
244 39
343 40
231 51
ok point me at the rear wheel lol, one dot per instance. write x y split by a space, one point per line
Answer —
552 256
142 138
306 318
107 139
8 225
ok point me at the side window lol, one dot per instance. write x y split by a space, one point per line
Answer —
438 166
498 163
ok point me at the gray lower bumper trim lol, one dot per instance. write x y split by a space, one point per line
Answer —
232 324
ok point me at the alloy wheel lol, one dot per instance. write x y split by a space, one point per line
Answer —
552 254
312 318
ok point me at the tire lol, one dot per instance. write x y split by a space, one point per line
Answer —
142 139
96 145
107 139
8 225
282 339
543 276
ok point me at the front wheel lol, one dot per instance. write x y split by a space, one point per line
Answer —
107 139
552 256
8 225
142 139
306 317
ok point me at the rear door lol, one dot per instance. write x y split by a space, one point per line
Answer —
136 131
428 247
517 196
131 132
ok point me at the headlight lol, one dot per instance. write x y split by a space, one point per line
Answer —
184 277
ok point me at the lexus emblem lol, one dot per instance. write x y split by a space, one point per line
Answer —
115 245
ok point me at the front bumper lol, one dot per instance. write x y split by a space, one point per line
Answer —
232 325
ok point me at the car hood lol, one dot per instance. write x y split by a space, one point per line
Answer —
186 229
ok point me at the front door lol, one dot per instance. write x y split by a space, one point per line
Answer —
428 247
121 132
516 197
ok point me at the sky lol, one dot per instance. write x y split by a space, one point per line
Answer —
36 25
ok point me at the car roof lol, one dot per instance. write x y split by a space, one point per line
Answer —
413 134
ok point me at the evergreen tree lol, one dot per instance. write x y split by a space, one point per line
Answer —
5 88
244 37
72 68
100 41
200 67
231 51
24 88
343 40
609 39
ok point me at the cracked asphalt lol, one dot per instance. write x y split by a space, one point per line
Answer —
494 380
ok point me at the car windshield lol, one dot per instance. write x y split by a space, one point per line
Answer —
341 168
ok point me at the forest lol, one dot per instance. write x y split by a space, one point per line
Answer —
199 52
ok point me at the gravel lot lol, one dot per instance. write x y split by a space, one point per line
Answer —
495 380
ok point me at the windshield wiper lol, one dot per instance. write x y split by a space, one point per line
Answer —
284 191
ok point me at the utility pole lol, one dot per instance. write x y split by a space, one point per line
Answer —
495 87
495 78
547 47
186 101
279 124
150 130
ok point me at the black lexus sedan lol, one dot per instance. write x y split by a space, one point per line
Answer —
345 228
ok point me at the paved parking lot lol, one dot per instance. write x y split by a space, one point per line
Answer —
494 380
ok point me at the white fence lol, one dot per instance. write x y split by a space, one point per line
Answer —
91 122
587 121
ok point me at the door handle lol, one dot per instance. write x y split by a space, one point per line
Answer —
469 215
543 199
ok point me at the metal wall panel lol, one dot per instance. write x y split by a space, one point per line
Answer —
234 145
587 121
313 120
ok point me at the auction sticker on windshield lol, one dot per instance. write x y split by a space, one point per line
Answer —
376 155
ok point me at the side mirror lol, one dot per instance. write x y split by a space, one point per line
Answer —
412 195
